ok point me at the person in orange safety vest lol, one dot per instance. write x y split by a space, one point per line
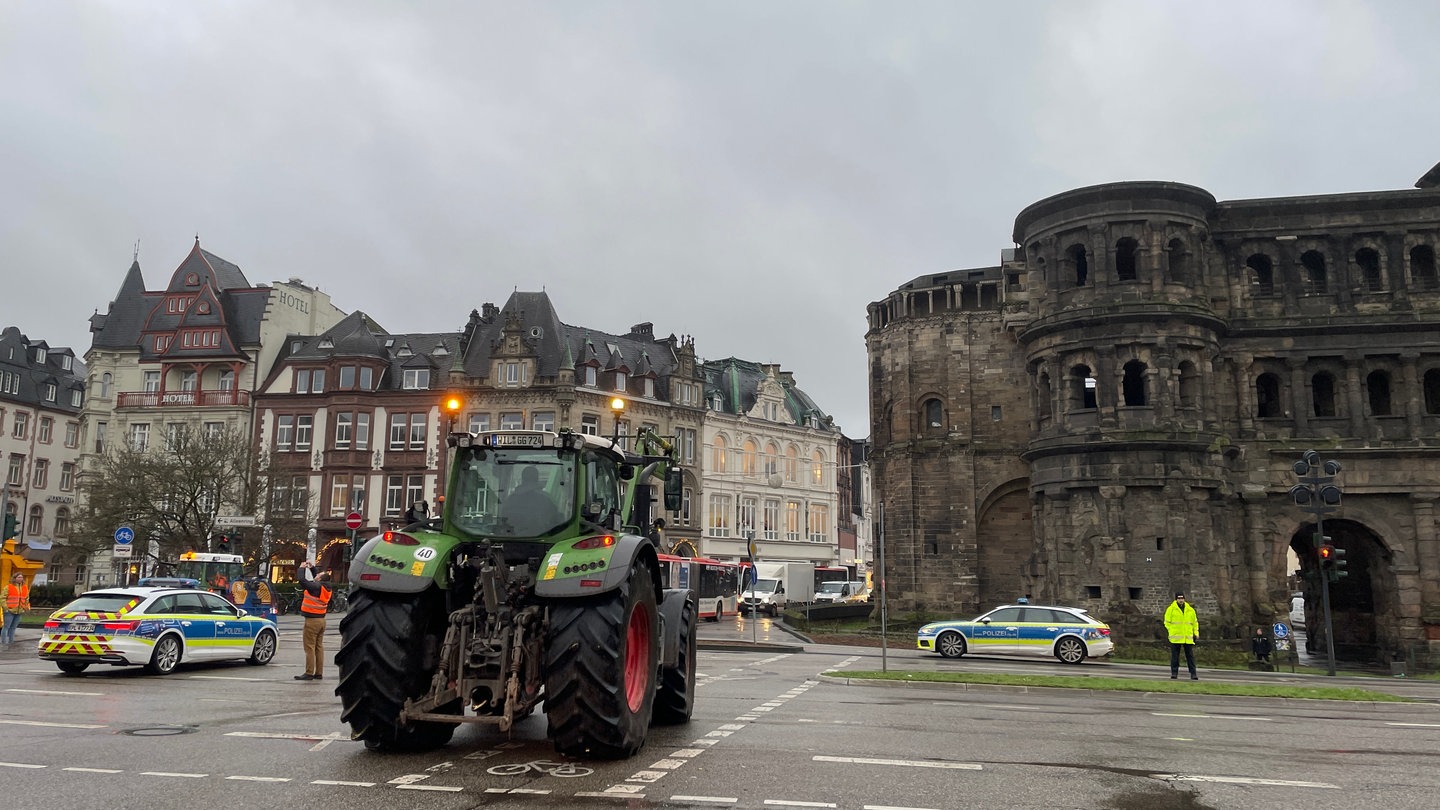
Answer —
314 607
17 601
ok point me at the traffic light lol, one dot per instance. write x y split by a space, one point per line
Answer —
1337 564
1326 554
12 527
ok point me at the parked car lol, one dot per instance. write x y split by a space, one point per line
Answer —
840 591
1069 634
153 627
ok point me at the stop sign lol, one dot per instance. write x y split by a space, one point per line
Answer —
354 521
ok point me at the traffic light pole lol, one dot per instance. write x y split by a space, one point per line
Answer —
1317 494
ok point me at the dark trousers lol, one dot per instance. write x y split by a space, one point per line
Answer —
1175 658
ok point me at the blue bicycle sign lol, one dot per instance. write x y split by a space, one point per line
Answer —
124 535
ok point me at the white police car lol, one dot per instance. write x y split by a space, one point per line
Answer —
154 627
1069 634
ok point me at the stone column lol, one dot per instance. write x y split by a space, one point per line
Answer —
1245 391
1257 557
1355 395
1427 550
1414 392
1299 402
1289 275
1395 276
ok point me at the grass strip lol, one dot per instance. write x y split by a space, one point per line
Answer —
1129 685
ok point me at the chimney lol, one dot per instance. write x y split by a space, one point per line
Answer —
644 331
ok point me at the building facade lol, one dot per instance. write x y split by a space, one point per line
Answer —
191 354
42 394
770 468
1112 413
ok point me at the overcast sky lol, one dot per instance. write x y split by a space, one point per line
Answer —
749 173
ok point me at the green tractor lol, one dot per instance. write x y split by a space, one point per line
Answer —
536 581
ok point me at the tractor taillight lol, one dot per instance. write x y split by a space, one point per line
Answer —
400 539
598 541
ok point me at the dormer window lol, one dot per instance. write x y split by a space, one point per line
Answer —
404 351
203 308
590 376
327 343
515 374
417 378
649 388
39 355
440 350
49 392
367 379
67 362
620 380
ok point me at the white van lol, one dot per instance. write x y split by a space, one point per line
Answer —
839 591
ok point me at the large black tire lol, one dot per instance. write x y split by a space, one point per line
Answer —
676 699
389 649
601 657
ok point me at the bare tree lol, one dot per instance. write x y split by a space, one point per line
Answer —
170 493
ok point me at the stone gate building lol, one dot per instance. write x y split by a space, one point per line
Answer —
1113 412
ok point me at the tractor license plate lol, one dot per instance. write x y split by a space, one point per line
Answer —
81 628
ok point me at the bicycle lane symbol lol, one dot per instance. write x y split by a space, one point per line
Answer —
544 766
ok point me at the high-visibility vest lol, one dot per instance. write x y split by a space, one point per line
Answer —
15 597
313 605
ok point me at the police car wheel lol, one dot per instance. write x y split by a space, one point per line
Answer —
71 667
1071 650
950 644
165 657
264 649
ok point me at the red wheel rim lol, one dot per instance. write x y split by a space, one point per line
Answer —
637 657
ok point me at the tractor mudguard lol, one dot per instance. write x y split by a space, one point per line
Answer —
563 569
396 568
671 612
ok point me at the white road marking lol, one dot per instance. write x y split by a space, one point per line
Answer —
93 770
50 725
442 788
1242 780
54 692
704 799
19 765
1212 716
259 778
595 794
320 740
987 705
176 775
782 803
409 779
227 678
341 784
891 807
908 763
1415 725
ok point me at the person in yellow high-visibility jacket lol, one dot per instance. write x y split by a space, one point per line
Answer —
1183 627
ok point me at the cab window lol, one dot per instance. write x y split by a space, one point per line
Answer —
602 487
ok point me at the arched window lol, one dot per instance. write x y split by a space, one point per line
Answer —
1133 386
747 457
105 382
62 522
718 455
1179 261
1432 391
1076 255
36 523
1314 264
934 414
1125 259
1189 385
1422 267
227 380
771 460
817 468
1264 271
1368 260
1082 388
1377 385
792 463
1267 396
1322 394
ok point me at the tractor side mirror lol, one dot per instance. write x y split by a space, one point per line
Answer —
674 488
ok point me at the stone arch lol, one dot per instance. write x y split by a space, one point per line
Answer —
1364 605
1127 258
1262 273
1005 544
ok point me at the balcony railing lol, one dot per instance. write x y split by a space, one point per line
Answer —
184 399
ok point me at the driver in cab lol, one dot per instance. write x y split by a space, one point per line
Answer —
527 507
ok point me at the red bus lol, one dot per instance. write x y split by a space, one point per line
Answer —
716 584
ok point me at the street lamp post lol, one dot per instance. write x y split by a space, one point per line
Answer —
1317 494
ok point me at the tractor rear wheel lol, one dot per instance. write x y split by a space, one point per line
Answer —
600 662
389 649
676 699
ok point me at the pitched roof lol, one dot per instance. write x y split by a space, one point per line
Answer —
738 382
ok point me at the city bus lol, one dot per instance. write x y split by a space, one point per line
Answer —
716 583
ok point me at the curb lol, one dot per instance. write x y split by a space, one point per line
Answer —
1052 690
